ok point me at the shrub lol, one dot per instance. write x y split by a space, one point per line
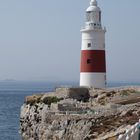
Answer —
49 100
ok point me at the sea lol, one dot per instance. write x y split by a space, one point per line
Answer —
12 95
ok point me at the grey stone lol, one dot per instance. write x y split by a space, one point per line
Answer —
39 121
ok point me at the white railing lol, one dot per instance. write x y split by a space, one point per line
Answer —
132 133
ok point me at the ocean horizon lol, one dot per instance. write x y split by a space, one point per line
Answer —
12 95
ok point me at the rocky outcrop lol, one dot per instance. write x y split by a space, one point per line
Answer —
80 94
96 118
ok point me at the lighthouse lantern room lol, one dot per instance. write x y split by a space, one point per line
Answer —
93 63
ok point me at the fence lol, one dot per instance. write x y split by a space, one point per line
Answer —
131 134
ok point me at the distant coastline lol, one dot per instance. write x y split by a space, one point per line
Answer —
44 86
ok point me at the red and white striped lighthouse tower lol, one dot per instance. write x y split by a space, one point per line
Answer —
93 64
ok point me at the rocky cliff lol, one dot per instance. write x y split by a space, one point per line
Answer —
79 114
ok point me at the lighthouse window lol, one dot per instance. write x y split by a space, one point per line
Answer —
88 16
89 45
100 16
88 61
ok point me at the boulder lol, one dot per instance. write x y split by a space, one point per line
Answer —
80 94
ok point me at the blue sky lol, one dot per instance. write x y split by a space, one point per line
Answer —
41 40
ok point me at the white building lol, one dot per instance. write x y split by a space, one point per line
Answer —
93 65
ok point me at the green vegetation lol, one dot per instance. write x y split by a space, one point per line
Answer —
128 92
50 100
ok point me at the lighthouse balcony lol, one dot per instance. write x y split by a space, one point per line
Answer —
92 26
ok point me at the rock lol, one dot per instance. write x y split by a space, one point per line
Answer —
112 138
42 118
80 94
32 99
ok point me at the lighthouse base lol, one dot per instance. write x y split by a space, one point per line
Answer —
96 80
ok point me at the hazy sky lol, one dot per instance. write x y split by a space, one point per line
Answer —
41 39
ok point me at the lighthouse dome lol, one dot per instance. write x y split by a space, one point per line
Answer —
93 9
93 6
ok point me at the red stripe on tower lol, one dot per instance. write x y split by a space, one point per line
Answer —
93 61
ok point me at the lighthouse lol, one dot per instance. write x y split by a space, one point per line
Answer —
93 62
